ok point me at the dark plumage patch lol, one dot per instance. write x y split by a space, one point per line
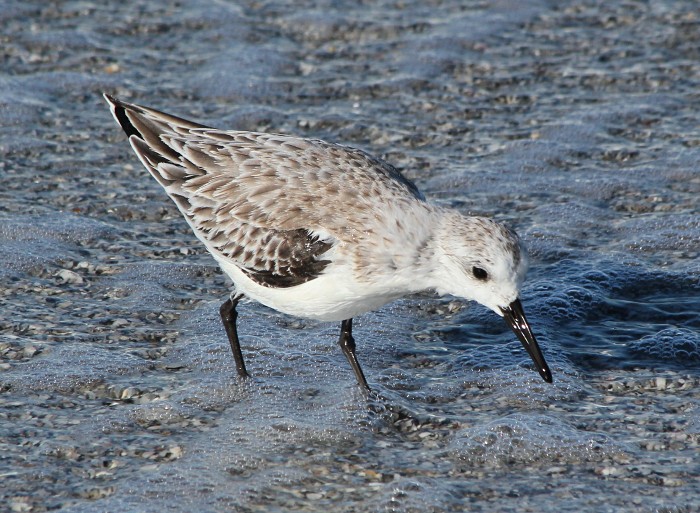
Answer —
299 255
126 125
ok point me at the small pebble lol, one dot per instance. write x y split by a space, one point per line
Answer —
20 506
70 277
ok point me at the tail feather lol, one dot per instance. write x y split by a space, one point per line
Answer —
149 125
120 109
151 159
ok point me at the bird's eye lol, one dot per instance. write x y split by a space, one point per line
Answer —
480 274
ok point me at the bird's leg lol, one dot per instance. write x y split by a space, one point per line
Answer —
228 317
347 344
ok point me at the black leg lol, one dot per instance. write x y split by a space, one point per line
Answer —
347 344
228 317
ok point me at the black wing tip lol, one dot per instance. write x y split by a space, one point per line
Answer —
116 103
119 109
110 99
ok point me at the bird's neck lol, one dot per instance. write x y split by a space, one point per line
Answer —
425 270
438 253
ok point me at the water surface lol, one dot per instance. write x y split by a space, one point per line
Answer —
575 122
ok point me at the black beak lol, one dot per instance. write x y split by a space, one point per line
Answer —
515 317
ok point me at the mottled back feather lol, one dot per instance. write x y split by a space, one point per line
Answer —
248 196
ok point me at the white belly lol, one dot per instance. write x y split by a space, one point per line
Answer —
333 296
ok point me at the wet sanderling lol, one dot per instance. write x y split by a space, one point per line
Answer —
323 231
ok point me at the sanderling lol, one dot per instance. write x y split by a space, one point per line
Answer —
323 231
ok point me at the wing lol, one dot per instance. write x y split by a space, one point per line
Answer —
271 204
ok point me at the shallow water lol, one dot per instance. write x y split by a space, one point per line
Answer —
576 122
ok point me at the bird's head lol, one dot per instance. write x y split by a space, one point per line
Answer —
484 261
